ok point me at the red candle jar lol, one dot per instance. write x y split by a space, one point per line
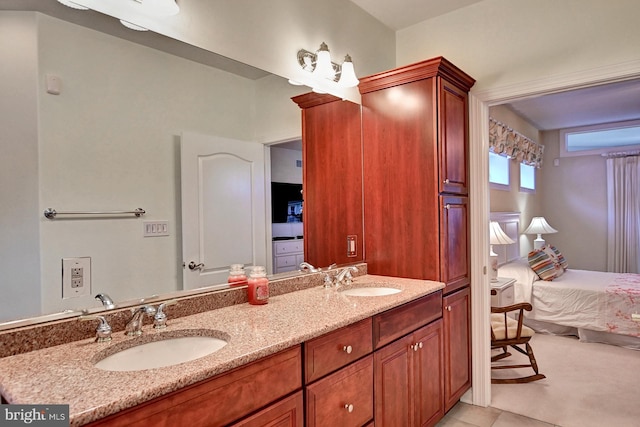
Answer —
237 276
258 286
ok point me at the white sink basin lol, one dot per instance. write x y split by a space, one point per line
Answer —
371 291
158 354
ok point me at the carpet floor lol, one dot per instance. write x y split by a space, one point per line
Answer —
586 384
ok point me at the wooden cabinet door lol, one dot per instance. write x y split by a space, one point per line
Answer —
393 384
452 147
332 179
456 316
454 242
429 375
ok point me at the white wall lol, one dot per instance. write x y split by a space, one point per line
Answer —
109 141
268 34
19 167
283 165
502 42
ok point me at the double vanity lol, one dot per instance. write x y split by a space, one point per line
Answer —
314 356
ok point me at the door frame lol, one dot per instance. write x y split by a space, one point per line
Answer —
479 103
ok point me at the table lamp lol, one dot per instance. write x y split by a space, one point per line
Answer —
496 237
539 226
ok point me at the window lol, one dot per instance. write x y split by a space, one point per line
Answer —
498 171
527 178
598 139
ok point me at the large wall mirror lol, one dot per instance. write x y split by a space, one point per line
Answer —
110 140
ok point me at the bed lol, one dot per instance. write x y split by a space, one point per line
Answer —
596 306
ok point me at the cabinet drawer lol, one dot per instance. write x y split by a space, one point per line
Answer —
288 247
286 261
336 349
344 398
399 321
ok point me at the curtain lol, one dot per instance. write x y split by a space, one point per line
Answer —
623 187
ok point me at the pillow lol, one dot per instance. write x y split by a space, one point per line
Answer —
558 256
520 270
545 265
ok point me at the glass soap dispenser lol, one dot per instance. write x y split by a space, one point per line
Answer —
258 286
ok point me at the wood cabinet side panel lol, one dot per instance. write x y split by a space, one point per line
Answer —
400 180
332 176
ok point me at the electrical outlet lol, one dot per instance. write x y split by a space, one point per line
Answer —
76 277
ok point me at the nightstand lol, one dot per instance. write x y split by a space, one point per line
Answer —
505 292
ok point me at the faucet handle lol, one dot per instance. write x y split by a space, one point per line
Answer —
160 318
328 282
103 331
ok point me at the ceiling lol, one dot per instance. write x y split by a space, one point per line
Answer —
595 105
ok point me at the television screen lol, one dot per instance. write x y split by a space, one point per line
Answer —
286 202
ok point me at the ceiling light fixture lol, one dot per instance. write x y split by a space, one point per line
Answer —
321 67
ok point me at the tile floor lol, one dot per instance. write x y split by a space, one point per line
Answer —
465 415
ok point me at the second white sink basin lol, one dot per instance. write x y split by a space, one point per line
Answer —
158 354
371 291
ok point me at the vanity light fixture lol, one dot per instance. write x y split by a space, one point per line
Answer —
147 7
320 66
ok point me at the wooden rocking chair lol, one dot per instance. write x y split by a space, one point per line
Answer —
508 332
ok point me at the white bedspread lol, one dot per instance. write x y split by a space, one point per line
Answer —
593 300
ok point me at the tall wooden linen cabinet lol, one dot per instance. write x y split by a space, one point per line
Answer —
411 152
416 199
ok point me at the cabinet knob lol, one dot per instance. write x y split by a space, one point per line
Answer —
447 206
448 308
446 181
347 349
348 407
417 346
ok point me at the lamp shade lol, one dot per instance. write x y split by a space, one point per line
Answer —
324 68
348 75
539 225
497 236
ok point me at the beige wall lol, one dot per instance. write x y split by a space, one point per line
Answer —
503 42
574 201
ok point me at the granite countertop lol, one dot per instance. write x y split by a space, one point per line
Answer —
65 374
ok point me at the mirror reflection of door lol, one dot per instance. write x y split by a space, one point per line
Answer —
223 207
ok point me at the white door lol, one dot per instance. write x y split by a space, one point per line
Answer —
223 207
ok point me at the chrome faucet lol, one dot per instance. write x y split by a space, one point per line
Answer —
344 276
134 326
103 331
106 301
160 318
305 266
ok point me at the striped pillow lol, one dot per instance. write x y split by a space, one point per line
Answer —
543 265
559 257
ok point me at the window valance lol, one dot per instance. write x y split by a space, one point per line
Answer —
507 142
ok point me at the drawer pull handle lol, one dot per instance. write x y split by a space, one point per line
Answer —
347 349
348 407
